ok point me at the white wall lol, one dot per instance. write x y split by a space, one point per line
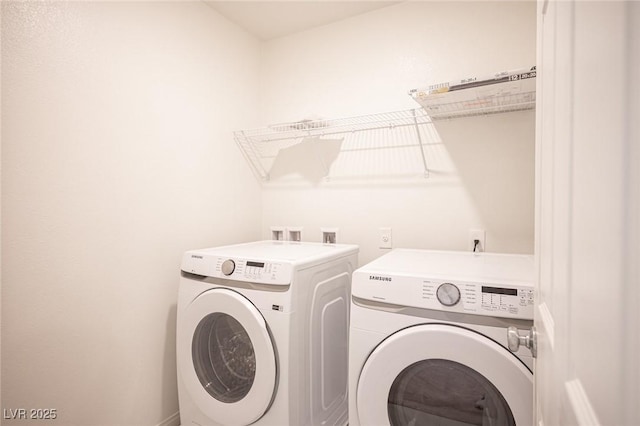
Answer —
482 169
117 156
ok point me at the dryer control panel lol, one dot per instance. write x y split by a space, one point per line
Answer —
490 284
481 298
237 269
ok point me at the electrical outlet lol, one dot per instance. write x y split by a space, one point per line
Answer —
385 238
480 236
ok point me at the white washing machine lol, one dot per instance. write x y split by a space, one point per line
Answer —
428 340
262 334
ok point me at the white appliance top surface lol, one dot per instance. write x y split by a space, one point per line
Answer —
281 251
453 265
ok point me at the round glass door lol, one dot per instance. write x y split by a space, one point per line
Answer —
444 392
223 357
227 357
445 375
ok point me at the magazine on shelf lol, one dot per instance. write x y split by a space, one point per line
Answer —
494 93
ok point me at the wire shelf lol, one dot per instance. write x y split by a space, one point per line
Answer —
503 92
398 130
481 106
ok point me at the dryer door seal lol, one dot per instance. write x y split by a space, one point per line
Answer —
232 374
439 373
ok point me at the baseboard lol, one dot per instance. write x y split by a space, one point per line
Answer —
173 420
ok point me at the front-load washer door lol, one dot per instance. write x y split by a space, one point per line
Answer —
439 374
233 373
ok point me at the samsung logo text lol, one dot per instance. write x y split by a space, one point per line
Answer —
379 278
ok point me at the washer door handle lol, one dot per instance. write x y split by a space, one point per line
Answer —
529 340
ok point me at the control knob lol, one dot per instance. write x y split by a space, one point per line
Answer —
448 294
228 266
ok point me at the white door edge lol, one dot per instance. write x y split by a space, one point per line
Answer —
580 403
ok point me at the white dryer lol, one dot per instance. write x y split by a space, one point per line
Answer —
262 334
428 340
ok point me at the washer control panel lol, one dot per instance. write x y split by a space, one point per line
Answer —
482 298
238 269
249 270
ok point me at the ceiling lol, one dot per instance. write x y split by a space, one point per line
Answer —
272 19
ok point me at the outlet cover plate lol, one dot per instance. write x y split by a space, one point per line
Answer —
477 234
385 241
